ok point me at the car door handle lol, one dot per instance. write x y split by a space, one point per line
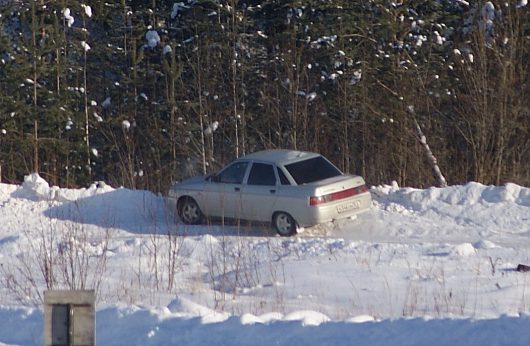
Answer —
237 189
272 191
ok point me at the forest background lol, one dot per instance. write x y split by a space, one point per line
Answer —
142 93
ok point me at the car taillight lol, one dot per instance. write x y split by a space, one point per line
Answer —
317 200
335 196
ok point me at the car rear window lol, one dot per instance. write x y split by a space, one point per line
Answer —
311 170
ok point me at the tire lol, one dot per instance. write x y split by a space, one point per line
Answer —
189 211
284 224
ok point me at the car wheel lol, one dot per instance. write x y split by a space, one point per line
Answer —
189 212
284 224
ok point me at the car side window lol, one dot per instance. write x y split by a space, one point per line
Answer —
261 174
233 174
283 178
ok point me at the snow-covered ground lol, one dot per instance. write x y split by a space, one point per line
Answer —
434 266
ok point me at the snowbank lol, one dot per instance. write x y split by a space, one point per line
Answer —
141 327
36 188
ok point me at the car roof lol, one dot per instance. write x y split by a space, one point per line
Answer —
280 156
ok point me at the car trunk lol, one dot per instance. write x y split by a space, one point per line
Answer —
336 184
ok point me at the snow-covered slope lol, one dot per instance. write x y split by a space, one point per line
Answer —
433 265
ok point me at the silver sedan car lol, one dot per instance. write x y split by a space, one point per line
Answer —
289 188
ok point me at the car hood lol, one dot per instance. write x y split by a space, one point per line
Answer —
187 184
194 179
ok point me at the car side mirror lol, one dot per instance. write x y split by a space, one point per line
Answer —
215 178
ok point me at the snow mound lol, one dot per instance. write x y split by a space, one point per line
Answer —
36 188
307 317
187 307
463 250
71 195
459 195
209 241
361 319
484 245
386 189
271 317
249 319
516 194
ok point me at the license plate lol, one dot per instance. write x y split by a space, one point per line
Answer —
348 206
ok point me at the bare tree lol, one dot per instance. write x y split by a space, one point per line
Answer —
491 112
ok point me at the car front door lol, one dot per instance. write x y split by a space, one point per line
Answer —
223 191
259 193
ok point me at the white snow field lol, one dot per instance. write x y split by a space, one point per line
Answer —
424 266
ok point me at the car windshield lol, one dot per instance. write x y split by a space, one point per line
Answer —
311 170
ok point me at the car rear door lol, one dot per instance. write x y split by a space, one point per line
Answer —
259 194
